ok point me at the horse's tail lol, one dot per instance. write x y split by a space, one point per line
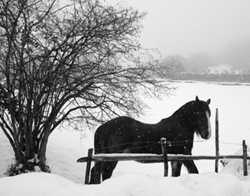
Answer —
99 142
99 147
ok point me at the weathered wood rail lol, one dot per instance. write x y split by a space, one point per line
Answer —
164 157
154 157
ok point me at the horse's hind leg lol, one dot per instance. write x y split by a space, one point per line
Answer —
176 168
95 177
108 168
191 167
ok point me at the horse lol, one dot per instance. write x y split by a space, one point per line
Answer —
127 135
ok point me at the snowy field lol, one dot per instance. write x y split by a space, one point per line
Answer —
135 179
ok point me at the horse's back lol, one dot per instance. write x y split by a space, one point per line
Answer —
114 135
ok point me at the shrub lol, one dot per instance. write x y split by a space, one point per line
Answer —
29 166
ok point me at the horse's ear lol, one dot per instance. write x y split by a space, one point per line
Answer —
197 99
208 101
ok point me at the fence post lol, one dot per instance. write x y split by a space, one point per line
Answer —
244 147
165 156
216 139
89 160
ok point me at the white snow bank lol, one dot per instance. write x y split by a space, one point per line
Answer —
38 184
127 185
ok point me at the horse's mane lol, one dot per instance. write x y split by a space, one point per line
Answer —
186 107
196 104
186 113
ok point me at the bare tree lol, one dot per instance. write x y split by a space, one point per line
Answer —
75 63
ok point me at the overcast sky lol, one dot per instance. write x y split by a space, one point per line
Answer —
189 26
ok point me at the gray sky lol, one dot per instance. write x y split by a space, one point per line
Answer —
189 26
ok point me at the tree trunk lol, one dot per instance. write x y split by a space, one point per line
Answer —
42 150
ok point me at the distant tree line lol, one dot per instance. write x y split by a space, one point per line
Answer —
241 78
235 54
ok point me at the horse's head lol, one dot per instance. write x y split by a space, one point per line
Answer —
201 115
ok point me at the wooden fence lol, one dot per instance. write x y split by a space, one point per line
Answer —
164 157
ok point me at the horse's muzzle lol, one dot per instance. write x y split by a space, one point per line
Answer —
205 134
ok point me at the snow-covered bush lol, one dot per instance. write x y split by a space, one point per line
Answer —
29 166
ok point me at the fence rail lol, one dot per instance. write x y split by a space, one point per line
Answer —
154 157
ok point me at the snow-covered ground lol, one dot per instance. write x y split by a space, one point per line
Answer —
131 178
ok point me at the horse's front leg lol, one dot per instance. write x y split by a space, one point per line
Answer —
108 168
176 168
191 167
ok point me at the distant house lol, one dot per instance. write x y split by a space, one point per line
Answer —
221 69
238 71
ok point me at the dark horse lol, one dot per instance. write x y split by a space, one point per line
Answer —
126 135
